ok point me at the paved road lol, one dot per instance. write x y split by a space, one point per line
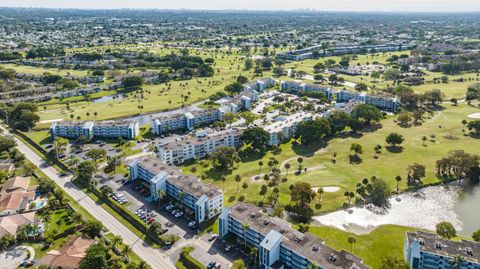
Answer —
148 254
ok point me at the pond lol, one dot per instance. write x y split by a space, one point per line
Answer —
108 98
420 209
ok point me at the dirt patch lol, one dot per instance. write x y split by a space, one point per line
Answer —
474 115
327 189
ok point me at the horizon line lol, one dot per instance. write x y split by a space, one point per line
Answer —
300 10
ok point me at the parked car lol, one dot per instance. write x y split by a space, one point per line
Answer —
212 237
192 223
179 214
169 224
163 230
228 248
213 265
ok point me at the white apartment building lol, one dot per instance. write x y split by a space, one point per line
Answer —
90 129
296 86
284 127
204 201
180 149
381 102
185 121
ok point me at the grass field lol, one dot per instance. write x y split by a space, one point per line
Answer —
40 70
321 172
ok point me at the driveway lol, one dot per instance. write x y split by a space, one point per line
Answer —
10 259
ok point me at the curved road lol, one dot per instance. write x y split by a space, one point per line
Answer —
145 252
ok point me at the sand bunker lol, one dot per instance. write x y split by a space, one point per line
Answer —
327 189
474 115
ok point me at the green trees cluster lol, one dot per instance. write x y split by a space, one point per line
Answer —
375 191
312 130
224 158
459 164
21 116
301 194
257 137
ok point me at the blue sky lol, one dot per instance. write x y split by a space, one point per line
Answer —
328 5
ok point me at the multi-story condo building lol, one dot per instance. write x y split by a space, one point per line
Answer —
72 129
241 101
385 103
204 201
280 246
173 150
428 251
296 86
260 85
284 127
185 121
90 129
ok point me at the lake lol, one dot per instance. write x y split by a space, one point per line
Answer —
420 209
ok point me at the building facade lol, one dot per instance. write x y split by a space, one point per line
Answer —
177 150
204 201
294 86
185 121
280 246
381 102
90 129
424 250
284 127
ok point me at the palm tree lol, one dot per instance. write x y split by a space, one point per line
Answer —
161 194
424 139
254 253
352 240
260 163
398 179
142 265
126 250
224 179
244 186
238 178
245 227
287 167
300 161
457 262
77 217
95 114
116 239
181 195
320 192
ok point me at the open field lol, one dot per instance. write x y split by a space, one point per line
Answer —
40 70
321 172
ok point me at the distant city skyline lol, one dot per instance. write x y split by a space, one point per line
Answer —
320 5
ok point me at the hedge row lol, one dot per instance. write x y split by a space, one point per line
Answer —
188 261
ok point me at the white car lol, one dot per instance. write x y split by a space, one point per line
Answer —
212 237
191 224
179 214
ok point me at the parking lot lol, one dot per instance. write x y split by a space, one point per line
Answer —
140 203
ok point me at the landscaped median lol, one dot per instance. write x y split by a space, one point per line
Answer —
187 261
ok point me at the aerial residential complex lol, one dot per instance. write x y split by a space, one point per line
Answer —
99 129
174 150
185 121
428 251
204 201
381 102
280 246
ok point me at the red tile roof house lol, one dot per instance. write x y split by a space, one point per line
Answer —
16 196
10 224
69 255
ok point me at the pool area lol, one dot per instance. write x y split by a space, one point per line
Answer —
40 203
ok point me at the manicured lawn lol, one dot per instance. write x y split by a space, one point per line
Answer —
40 70
59 222
321 172
386 240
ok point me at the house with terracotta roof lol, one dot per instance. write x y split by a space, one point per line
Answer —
10 224
16 196
69 255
